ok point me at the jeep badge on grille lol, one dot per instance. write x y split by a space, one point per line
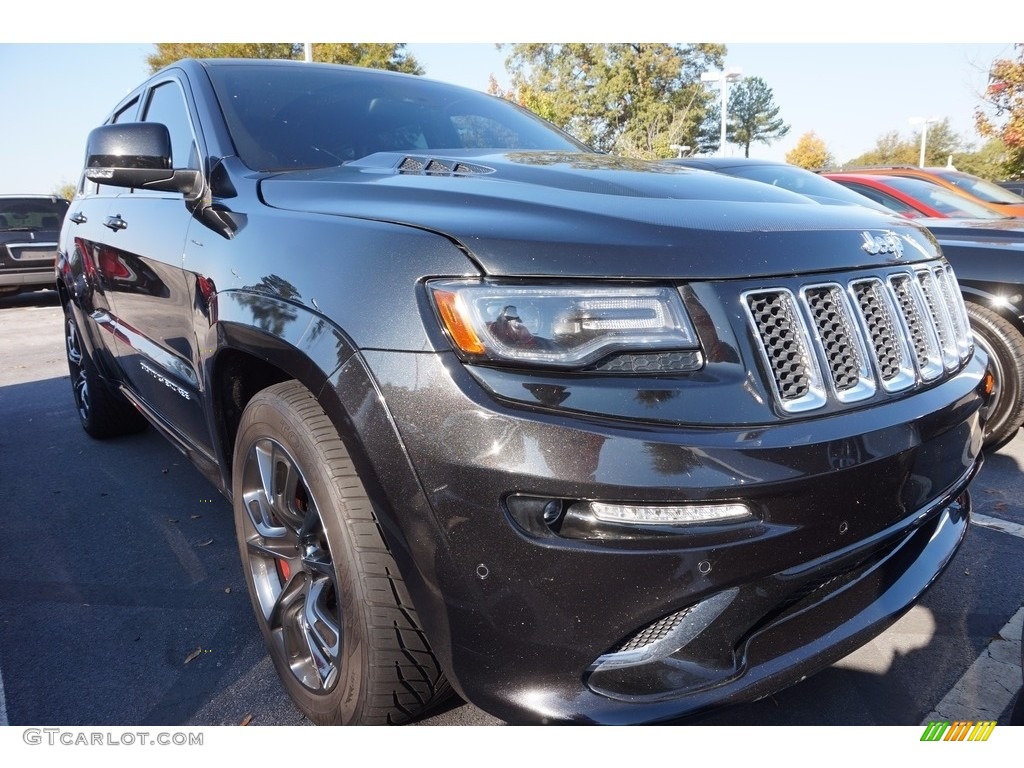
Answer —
885 243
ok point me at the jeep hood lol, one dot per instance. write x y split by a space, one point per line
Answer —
592 215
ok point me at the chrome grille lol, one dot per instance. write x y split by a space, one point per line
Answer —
845 340
788 349
844 351
653 633
940 318
952 297
921 332
887 341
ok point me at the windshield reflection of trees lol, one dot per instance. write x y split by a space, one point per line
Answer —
591 161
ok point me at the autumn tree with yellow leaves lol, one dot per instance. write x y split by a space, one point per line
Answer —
1001 114
810 152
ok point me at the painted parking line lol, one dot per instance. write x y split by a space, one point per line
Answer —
996 524
990 683
3 704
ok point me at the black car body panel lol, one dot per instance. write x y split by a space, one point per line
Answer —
533 214
487 476
987 260
1017 187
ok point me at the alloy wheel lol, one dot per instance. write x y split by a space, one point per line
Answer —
290 563
79 380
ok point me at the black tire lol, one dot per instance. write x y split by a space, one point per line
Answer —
334 612
1017 714
1005 349
102 410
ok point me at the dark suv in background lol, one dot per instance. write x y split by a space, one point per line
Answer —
587 439
29 228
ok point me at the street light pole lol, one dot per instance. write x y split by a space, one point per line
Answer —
923 122
724 77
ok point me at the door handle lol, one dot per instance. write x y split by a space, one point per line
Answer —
78 217
115 223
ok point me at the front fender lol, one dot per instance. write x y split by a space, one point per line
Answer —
289 336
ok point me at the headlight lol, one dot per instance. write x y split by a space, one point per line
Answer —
560 326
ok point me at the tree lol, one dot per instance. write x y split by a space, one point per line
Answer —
709 135
64 189
1001 113
391 56
892 149
940 143
810 152
988 162
753 115
633 98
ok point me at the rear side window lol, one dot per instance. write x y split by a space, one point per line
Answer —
32 214
890 202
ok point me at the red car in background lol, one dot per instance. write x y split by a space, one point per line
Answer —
913 198
992 196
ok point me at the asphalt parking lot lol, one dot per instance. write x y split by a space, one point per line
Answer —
122 601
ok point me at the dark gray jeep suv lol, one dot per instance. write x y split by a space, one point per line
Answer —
583 438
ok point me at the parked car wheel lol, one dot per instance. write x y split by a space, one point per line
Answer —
1005 349
334 612
102 410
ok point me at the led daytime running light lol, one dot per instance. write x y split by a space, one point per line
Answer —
678 514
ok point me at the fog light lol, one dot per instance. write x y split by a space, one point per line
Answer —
552 511
676 514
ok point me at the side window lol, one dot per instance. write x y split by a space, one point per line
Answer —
167 105
127 113
894 205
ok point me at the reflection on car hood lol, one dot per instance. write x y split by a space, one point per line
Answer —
579 214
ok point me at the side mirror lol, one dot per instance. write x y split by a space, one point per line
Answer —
137 155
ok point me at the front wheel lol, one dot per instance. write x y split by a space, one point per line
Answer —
334 612
1005 349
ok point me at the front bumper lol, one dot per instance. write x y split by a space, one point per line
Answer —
856 514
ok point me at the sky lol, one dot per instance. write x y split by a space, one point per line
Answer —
56 88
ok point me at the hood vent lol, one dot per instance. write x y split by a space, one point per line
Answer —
432 166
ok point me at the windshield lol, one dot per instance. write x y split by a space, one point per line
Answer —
943 200
313 116
799 180
985 190
32 214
